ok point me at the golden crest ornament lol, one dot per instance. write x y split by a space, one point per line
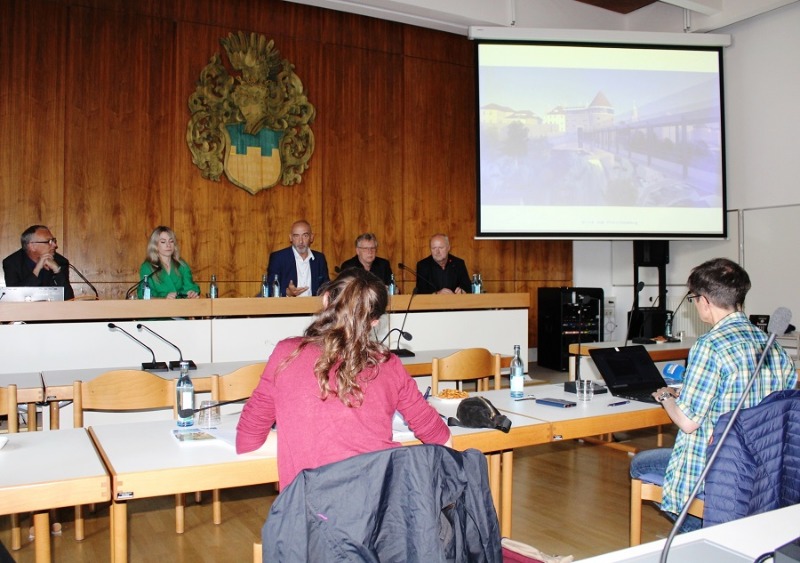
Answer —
256 126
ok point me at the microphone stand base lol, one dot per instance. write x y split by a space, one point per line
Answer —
176 364
155 366
403 353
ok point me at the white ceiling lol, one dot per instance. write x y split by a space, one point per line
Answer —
456 16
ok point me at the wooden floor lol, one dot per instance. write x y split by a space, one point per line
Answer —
570 498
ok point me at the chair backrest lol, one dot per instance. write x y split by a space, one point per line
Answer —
418 503
8 406
465 365
121 391
238 384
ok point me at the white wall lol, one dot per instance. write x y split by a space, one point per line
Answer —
762 120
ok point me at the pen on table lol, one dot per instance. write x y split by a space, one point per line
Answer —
427 393
618 404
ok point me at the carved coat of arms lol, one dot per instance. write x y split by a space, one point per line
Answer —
255 127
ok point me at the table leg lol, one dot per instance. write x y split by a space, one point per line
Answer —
41 529
494 479
180 509
32 424
216 506
55 416
119 532
507 485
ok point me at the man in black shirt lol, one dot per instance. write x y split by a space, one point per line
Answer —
441 272
367 258
37 264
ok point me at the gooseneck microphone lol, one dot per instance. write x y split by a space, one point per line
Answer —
186 413
638 290
146 366
778 323
174 364
417 276
401 352
668 328
87 282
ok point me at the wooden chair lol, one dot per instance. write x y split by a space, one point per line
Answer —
644 490
8 407
238 384
469 364
124 391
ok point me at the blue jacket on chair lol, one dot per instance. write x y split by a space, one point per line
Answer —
758 467
423 503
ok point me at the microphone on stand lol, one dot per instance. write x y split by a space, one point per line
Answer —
639 288
87 282
186 413
174 364
670 319
403 353
416 275
778 324
147 366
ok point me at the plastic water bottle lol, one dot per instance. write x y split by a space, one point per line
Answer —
668 325
145 288
517 375
184 395
213 291
392 286
476 283
276 287
264 286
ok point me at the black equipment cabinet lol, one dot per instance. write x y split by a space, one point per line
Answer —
567 314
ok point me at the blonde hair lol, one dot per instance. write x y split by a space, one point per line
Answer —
153 257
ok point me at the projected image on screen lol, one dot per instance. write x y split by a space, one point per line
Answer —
600 141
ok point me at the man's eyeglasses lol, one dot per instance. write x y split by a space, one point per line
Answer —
368 248
48 241
691 297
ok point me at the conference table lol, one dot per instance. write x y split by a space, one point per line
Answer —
145 460
747 537
44 470
660 352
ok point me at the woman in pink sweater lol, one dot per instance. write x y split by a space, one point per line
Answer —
333 392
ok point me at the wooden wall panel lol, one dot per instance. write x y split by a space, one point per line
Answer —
31 120
102 86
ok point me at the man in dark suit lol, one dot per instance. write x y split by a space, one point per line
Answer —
37 263
441 272
300 272
366 258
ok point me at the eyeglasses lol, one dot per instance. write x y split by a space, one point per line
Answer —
53 240
368 248
691 298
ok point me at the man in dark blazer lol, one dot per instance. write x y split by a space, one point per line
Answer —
366 258
300 272
441 272
37 263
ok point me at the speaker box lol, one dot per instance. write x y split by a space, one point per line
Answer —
650 252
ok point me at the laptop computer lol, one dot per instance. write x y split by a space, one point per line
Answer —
628 371
31 293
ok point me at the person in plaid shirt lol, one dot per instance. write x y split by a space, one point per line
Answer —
719 366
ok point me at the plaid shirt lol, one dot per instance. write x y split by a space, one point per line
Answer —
719 367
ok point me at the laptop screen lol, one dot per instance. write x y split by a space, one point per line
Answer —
31 293
627 368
